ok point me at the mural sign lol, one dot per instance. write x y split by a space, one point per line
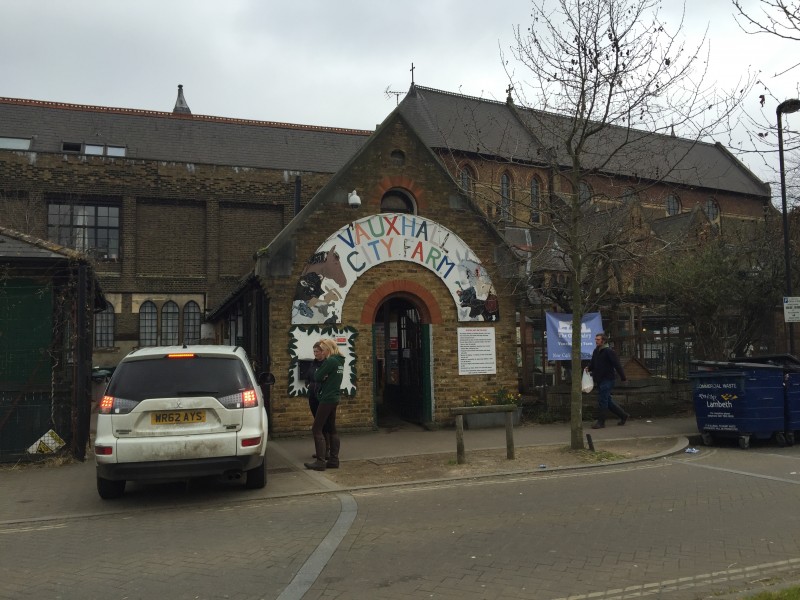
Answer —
301 343
352 250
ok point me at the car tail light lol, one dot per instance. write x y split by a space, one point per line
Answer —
181 355
117 406
103 450
249 398
243 399
248 442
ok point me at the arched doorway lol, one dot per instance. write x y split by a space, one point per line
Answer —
402 349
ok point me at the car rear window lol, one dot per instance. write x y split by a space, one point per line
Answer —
178 377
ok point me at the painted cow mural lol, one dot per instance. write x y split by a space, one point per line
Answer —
317 293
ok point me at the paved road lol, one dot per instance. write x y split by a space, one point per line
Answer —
678 528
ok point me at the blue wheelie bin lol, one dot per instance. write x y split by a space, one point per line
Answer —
739 400
791 382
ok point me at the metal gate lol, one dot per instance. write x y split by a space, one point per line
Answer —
401 376
26 323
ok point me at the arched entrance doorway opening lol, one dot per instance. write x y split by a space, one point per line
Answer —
402 349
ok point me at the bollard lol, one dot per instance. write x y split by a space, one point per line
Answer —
589 439
461 457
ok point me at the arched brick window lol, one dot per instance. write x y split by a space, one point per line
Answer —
466 177
536 200
505 198
148 324
104 327
673 205
712 210
191 322
169 324
585 195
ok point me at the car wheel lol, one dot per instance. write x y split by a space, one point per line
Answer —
110 489
257 478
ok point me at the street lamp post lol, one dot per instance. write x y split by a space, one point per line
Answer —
784 108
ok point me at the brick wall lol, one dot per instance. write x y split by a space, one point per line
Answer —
184 228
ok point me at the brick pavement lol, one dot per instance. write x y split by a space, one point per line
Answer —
40 493
680 528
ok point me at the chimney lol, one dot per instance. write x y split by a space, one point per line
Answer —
181 108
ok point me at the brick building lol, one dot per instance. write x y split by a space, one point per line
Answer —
172 207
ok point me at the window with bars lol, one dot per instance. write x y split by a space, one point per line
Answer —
86 227
104 322
148 324
191 323
169 324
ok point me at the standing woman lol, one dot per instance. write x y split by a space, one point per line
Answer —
329 375
313 390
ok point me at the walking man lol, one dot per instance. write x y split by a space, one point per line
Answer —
603 368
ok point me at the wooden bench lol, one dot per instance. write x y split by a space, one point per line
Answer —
459 413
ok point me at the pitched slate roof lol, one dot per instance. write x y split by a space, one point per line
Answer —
477 125
181 137
675 228
14 244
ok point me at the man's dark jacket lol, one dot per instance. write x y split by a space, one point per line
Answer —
603 364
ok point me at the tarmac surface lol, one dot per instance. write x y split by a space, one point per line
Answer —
47 491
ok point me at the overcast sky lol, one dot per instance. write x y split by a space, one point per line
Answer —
317 62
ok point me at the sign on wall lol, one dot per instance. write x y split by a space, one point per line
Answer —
476 351
559 335
352 250
791 309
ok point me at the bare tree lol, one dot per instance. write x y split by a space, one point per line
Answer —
775 17
609 76
780 19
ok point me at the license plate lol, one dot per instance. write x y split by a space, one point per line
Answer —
178 417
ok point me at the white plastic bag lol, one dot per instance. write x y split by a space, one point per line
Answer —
586 382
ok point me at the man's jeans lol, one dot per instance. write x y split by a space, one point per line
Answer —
605 401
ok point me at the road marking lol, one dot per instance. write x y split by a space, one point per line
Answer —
313 566
684 583
737 472
40 528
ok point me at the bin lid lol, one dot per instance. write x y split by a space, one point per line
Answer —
706 366
787 361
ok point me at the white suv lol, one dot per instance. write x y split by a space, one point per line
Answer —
178 412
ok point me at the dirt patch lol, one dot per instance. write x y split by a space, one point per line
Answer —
485 462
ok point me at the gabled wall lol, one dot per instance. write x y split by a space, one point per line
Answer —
378 167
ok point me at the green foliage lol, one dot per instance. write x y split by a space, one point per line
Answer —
727 288
792 593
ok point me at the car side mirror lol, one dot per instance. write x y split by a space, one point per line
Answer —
266 379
